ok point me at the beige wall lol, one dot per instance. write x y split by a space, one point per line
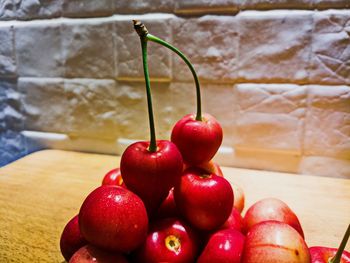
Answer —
276 74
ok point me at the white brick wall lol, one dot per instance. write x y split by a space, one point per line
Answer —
276 74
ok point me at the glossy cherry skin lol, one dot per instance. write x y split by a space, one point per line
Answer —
151 174
113 177
273 241
224 246
113 218
198 141
169 240
71 239
168 207
234 221
271 209
91 254
323 254
204 200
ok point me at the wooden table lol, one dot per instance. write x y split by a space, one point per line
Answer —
42 191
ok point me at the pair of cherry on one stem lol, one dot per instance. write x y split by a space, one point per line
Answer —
151 168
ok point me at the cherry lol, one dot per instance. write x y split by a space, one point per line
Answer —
91 254
271 209
169 240
113 177
113 218
234 221
168 206
331 255
71 238
274 241
204 200
223 246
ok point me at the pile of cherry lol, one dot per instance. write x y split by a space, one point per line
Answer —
190 213
169 202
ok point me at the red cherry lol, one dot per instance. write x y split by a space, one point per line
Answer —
113 177
169 240
331 255
223 246
168 206
324 254
234 221
198 141
151 174
113 218
204 200
71 238
90 254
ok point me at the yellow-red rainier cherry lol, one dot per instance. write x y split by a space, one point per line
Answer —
273 241
271 209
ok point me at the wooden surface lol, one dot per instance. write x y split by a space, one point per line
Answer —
41 192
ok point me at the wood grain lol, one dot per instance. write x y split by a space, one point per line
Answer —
42 191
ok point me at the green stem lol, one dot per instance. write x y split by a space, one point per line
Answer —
337 257
188 63
141 31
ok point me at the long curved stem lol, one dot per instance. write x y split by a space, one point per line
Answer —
155 39
153 143
337 257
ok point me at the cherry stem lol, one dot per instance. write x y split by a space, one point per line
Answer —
337 257
142 32
188 63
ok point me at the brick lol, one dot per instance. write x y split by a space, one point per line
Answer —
144 6
10 106
38 49
42 140
274 46
265 159
45 106
327 131
210 43
88 48
219 101
77 107
276 4
132 116
270 116
325 166
7 9
7 52
92 108
183 100
129 58
83 8
33 9
194 7
331 48
329 4
12 146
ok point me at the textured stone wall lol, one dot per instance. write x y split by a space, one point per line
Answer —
276 74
